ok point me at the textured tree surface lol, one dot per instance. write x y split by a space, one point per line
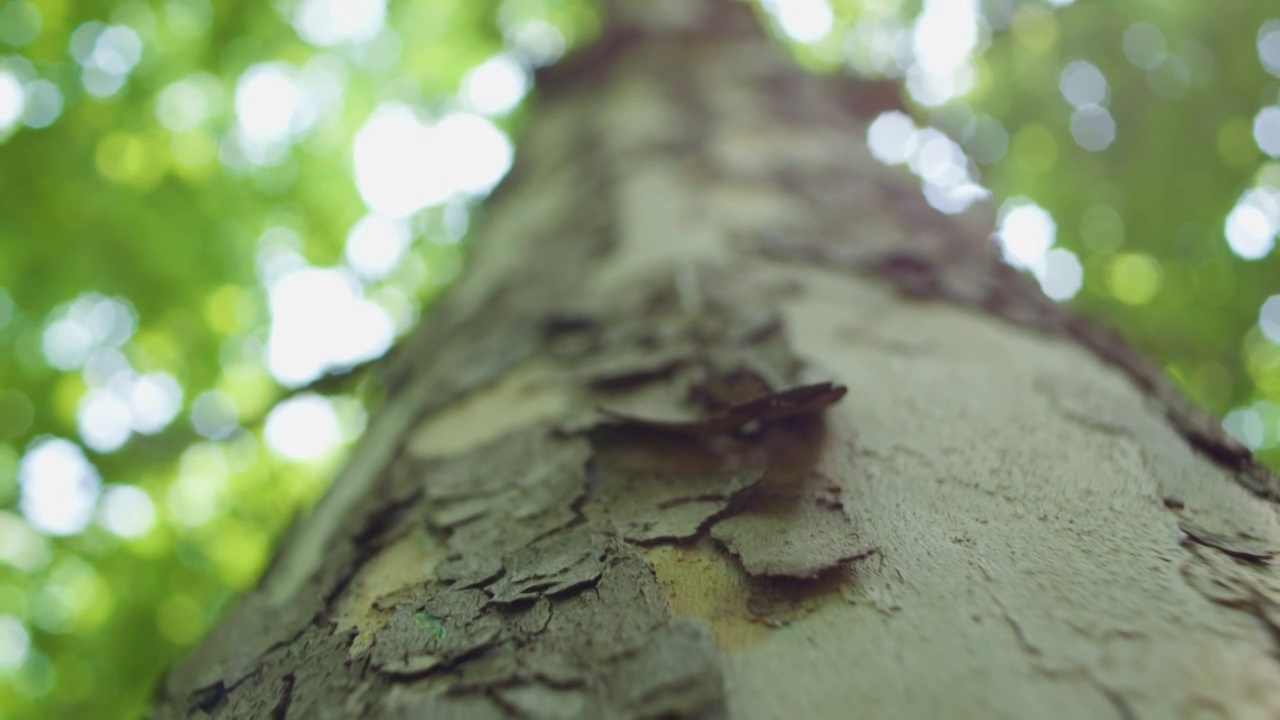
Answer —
723 420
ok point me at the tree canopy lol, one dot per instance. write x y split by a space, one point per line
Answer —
205 207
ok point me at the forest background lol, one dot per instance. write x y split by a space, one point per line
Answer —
205 207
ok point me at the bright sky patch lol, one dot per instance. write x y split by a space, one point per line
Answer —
1026 232
1252 224
495 86
59 487
127 511
404 164
302 428
12 100
320 320
331 22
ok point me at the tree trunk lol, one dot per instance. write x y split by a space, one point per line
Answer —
618 473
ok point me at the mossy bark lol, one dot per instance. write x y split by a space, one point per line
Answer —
723 420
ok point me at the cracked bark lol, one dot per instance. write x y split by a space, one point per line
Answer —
723 420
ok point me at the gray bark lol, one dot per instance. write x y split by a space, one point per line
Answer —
723 420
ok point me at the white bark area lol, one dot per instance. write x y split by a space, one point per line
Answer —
1028 566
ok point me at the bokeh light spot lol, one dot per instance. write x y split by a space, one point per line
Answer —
107 366
266 100
938 159
479 154
275 104
1269 318
374 246
1134 278
1025 232
103 420
247 383
88 323
954 199
15 642
1252 224
1093 128
495 86
1246 425
214 415
240 553
945 34
1269 46
1062 276
302 428
331 22
21 546
74 598
107 55
195 496
188 18
804 21
227 309
1144 45
59 486
127 511
537 41
12 100
891 137
1034 28
1266 130
43 104
320 320
81 41
36 677
404 165
186 104
1082 83
20 22
1262 362
129 159
154 401
194 153
943 39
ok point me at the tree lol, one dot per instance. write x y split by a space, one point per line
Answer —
722 419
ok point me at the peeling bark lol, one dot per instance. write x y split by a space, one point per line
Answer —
723 420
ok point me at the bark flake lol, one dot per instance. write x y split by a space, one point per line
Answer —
1238 549
792 532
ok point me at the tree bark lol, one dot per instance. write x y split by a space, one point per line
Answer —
723 420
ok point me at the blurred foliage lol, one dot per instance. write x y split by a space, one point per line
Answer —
145 231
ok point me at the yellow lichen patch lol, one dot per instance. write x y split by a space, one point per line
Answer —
529 394
702 582
407 561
